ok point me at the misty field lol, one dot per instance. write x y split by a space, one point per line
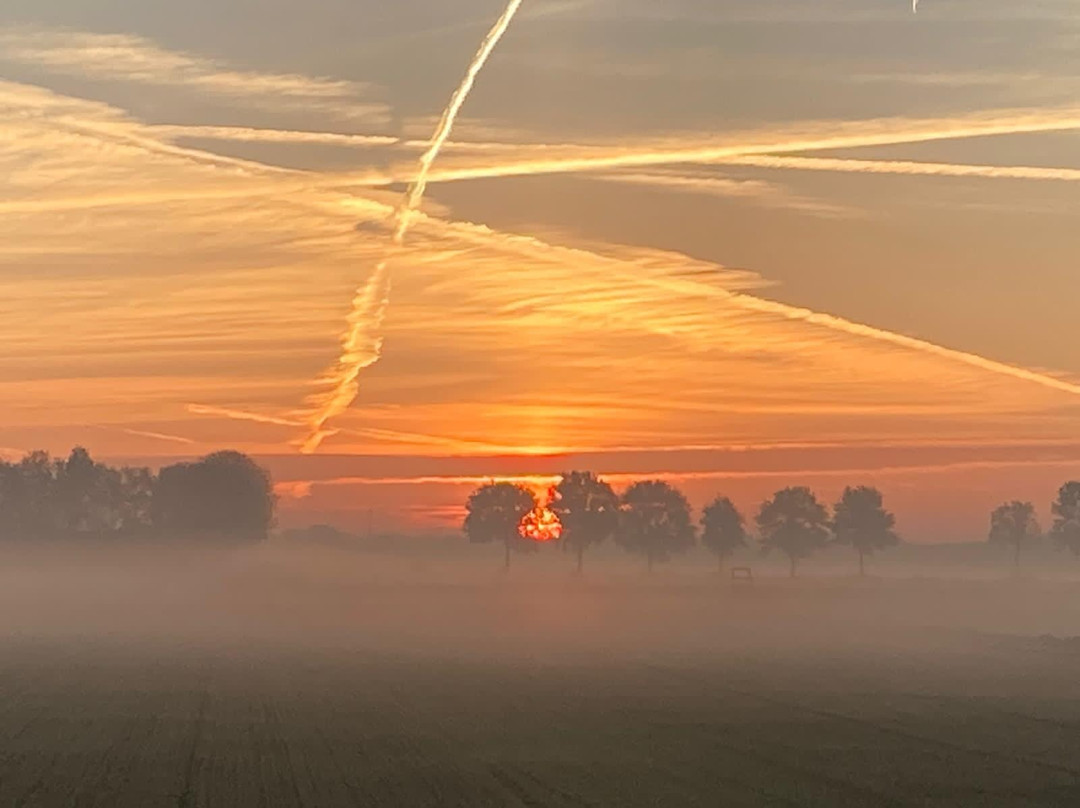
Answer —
223 683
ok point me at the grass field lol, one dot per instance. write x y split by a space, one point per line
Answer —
263 690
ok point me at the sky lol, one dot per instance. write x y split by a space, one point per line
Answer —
736 244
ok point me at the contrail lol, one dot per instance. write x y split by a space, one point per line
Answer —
242 415
884 132
446 125
908 167
527 245
567 158
833 323
388 435
262 135
246 134
362 343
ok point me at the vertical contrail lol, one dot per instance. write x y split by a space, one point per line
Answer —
362 343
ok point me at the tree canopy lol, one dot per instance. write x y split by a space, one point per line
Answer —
723 529
1066 511
861 521
224 495
655 521
795 523
1015 524
494 513
587 508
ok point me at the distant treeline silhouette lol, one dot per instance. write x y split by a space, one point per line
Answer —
653 519
222 496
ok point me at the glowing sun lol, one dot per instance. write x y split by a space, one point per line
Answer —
542 525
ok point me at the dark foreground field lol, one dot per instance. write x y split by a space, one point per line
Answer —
264 690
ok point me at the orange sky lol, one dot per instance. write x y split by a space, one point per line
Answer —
874 287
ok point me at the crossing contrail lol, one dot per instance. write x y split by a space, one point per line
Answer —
362 342
904 167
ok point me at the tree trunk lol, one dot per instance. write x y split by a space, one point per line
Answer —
506 562
650 558
862 564
720 564
580 559
792 570
1016 561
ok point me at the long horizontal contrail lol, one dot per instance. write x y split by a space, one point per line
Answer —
576 157
969 129
250 134
264 135
297 183
906 167
877 133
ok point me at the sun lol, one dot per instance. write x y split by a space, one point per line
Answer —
541 525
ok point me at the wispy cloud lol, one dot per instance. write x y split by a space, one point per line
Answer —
135 59
758 192
502 340
142 433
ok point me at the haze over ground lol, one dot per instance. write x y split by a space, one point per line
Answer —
301 674
160 299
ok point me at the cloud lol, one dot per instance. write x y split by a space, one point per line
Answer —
134 59
813 137
228 288
766 194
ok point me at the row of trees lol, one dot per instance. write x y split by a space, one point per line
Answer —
1015 523
653 519
224 495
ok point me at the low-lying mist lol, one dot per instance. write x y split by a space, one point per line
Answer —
445 599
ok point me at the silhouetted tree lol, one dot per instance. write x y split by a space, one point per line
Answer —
10 501
1015 524
1066 510
861 521
655 521
723 529
795 523
588 510
86 499
494 513
34 510
224 495
132 490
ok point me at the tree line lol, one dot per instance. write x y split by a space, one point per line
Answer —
1015 523
223 495
653 519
